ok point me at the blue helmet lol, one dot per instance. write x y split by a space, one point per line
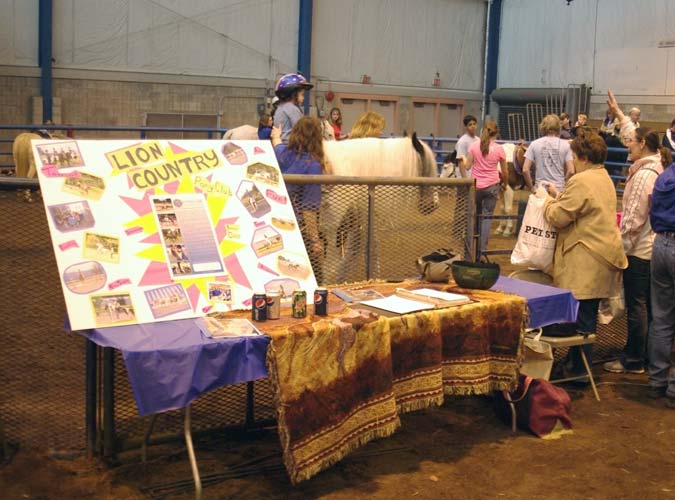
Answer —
289 83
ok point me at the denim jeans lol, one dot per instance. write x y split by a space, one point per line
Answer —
636 291
662 329
587 320
486 201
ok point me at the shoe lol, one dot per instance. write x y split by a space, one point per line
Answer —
617 367
670 402
656 392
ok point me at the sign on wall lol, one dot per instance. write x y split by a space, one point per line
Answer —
148 231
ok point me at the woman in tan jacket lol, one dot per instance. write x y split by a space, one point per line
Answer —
589 255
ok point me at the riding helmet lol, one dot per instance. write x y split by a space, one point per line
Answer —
289 83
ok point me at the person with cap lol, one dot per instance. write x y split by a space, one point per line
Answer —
290 89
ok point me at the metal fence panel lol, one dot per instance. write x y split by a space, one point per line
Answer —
370 228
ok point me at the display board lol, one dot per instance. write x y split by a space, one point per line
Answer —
148 231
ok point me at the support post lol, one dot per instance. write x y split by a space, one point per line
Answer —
492 50
45 57
90 397
305 44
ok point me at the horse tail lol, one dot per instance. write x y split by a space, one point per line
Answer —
428 197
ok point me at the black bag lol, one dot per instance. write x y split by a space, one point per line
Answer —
437 265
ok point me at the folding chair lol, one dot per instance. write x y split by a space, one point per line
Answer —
573 341
579 340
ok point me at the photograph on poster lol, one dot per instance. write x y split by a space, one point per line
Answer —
220 293
266 240
60 154
284 223
84 277
112 309
73 216
234 154
102 247
168 220
252 199
167 300
284 286
266 174
188 236
85 186
293 264
233 231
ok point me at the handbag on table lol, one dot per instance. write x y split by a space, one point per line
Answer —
437 265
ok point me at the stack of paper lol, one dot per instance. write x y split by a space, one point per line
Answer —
407 301
215 327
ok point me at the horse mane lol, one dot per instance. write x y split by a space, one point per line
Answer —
393 157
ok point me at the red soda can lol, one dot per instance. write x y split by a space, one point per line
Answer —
273 305
259 307
321 302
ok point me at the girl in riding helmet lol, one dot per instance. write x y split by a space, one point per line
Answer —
290 89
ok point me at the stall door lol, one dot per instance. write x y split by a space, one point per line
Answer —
423 119
351 109
449 120
388 109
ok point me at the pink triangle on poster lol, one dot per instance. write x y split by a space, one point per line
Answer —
171 187
153 239
236 271
176 149
156 274
194 294
258 150
142 206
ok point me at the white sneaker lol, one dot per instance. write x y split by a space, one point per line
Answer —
617 367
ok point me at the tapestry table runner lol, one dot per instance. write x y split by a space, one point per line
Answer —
342 380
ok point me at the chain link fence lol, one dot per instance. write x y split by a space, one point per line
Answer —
369 229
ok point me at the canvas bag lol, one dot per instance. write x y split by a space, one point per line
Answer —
437 265
540 407
537 356
536 240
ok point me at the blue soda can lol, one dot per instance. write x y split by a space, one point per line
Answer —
321 302
259 307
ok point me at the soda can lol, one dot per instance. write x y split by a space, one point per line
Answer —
299 304
273 305
321 302
259 307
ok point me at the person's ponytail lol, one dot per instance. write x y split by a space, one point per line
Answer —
490 131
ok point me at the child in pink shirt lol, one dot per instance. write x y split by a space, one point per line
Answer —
487 161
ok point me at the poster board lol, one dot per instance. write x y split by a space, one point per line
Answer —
147 231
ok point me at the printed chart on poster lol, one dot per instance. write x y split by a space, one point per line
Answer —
149 231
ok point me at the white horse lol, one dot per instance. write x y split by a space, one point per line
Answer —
344 208
242 133
515 157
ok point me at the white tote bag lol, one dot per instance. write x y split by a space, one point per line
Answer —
537 356
536 240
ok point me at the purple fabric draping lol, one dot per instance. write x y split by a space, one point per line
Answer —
171 363
547 304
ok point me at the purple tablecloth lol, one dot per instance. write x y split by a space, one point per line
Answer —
171 363
547 304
